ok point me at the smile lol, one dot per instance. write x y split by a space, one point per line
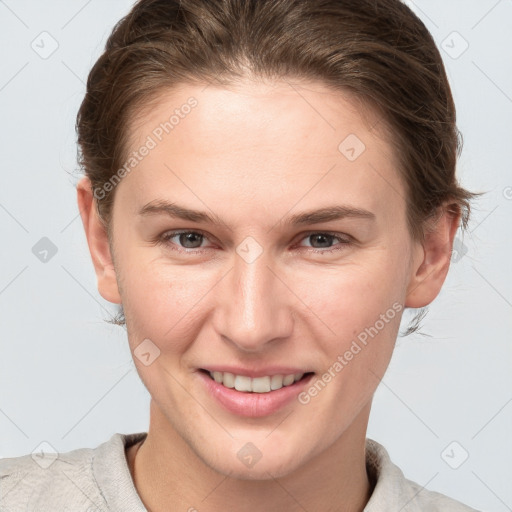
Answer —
247 384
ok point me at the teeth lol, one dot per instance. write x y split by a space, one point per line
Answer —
276 382
242 383
256 385
288 380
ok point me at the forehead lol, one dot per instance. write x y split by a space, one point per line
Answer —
306 115
272 143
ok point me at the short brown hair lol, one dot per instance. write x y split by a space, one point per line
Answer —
378 50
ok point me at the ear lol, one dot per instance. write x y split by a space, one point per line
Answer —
97 239
432 259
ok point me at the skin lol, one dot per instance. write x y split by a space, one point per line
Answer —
254 154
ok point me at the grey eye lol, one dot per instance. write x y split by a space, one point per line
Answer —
325 240
190 240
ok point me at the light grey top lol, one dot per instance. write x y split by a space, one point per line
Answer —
98 479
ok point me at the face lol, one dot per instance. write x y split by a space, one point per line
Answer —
259 284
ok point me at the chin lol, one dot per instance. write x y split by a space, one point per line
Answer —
243 459
262 470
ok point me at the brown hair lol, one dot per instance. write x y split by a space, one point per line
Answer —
378 50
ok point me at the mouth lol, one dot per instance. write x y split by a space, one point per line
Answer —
254 397
260 385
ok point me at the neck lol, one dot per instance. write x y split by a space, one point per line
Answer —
166 470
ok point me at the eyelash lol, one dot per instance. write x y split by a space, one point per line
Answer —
165 238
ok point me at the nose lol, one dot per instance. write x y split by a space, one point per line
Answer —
254 305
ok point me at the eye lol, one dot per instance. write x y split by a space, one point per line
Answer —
191 241
188 240
323 241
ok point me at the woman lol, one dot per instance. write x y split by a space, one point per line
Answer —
268 185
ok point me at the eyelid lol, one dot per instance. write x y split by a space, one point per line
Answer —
343 241
335 234
167 235
343 238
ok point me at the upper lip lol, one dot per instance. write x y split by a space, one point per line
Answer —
255 372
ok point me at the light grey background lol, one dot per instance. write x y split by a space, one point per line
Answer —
67 377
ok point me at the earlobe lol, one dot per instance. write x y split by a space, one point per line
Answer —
97 240
432 260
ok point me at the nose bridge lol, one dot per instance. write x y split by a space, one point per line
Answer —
254 305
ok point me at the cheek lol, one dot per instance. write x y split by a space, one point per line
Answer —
362 308
163 301
352 297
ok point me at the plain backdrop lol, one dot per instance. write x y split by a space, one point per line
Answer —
444 408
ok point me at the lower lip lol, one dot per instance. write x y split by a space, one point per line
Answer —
253 405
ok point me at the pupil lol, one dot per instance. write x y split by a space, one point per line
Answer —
189 237
327 239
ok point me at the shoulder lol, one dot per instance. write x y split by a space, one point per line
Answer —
395 492
434 501
55 481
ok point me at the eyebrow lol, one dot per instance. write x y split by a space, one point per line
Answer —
326 214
